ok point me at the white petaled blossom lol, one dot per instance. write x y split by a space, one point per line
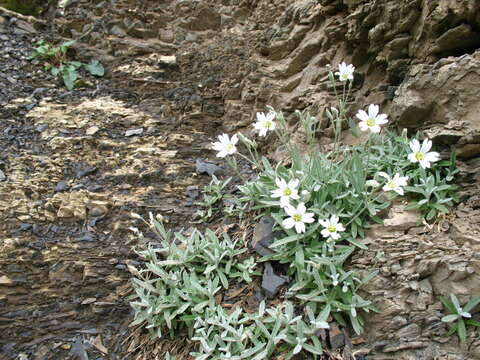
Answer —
345 72
332 228
298 217
286 191
372 183
225 146
394 184
422 154
265 123
335 279
372 120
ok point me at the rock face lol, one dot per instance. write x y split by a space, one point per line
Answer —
440 100
204 67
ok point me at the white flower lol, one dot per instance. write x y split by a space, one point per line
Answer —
394 184
372 183
298 218
331 228
421 153
306 195
334 279
265 123
372 120
225 146
345 72
286 191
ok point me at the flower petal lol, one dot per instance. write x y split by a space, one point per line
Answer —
300 227
375 129
292 184
308 218
335 235
277 193
373 110
385 175
280 183
362 115
425 163
324 223
290 210
288 223
432 156
412 157
363 126
426 146
414 145
301 208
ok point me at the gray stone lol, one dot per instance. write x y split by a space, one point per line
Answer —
336 337
86 237
192 192
25 226
118 31
2 176
271 282
206 167
133 132
41 128
263 236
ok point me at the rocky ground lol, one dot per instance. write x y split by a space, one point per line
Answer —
73 165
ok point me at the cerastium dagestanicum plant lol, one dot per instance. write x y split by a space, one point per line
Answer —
461 317
322 203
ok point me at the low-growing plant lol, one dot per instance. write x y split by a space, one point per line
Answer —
55 59
182 277
322 202
212 194
461 316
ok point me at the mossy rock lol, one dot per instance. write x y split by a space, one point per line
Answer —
26 7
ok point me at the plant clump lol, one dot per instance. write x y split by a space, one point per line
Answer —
322 204
55 59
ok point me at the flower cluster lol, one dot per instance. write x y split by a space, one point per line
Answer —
287 191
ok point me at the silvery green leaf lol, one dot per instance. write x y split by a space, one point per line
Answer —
450 318
261 308
472 303
297 349
455 303
465 314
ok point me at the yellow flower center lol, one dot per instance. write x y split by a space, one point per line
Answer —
268 124
344 77
371 122
332 228
391 185
287 192
297 217
229 147
419 156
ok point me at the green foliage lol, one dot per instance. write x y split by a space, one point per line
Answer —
181 279
461 316
55 59
212 194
